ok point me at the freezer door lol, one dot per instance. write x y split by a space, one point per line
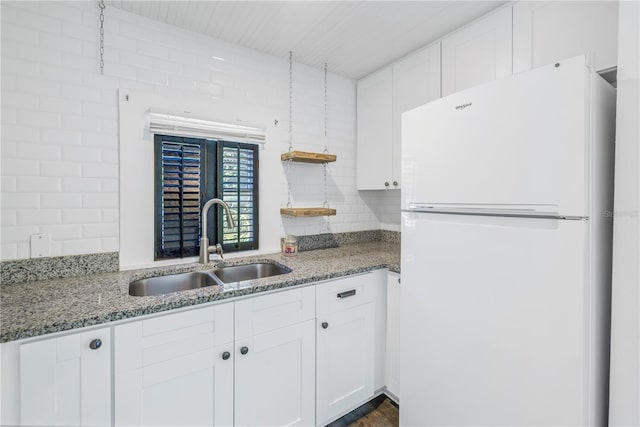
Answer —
493 321
522 140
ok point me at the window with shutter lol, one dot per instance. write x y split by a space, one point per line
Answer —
186 173
238 185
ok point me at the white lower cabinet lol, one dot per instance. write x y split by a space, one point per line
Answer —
66 381
275 359
345 345
191 368
275 381
173 369
392 350
299 357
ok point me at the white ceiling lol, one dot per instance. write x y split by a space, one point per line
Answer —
353 37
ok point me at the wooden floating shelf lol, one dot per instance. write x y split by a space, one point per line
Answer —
307 212
306 157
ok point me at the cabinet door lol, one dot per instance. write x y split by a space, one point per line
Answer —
66 381
392 361
478 53
345 361
551 31
346 348
170 370
374 112
275 377
416 81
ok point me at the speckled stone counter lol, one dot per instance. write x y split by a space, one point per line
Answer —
47 306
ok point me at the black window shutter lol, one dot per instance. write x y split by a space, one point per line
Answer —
181 182
238 186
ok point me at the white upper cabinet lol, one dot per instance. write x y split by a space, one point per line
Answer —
66 381
382 98
374 111
550 31
478 53
416 81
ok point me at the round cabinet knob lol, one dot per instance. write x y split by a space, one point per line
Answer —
324 325
386 183
244 350
395 183
95 344
226 355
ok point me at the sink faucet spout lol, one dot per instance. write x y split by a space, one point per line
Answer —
204 240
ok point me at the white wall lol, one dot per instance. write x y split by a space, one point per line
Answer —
388 210
60 122
624 407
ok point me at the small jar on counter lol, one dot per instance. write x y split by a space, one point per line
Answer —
290 246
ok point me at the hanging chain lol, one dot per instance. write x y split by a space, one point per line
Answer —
289 204
290 100
326 150
325 204
326 224
102 7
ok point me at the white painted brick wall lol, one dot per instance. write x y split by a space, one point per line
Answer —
60 122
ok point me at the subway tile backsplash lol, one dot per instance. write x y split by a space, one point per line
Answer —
60 122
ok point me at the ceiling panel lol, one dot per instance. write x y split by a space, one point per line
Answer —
353 37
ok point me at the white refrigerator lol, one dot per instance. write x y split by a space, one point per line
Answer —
506 252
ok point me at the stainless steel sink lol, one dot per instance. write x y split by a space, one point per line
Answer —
239 273
171 283
199 279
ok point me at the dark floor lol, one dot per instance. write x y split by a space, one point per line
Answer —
379 412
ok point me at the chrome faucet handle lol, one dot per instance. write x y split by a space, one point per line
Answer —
219 250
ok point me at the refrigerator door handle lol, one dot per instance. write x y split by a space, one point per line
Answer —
535 211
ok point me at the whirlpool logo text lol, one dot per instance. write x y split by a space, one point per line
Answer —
463 106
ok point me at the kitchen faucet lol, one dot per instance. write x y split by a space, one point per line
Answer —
205 249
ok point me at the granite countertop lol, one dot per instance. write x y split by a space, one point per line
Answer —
47 306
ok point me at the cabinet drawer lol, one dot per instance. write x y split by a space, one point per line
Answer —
168 339
342 294
273 311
